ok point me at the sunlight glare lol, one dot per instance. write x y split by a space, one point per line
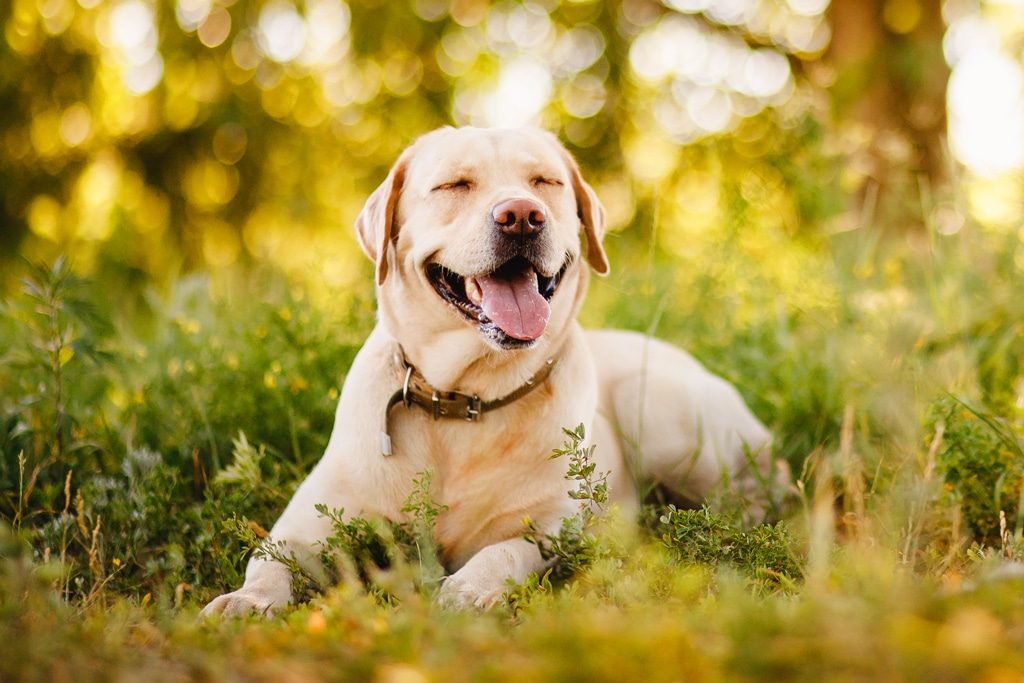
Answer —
985 100
282 31
524 88
328 27
192 13
133 36
714 78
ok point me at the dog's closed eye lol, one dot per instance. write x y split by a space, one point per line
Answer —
460 185
545 180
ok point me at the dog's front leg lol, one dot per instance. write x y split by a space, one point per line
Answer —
268 583
484 579
267 588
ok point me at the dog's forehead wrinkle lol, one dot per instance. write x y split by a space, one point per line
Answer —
528 158
525 150
445 171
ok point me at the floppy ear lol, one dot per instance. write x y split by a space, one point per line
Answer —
591 214
375 226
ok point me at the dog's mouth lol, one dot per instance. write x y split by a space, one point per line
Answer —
510 304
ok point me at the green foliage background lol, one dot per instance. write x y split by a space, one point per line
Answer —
182 296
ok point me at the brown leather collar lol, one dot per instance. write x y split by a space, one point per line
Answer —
453 405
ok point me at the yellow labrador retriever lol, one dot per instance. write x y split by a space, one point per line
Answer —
477 363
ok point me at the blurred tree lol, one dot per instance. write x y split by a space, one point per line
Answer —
887 81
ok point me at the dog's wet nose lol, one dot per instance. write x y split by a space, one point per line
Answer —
519 217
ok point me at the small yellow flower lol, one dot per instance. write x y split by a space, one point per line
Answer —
258 529
116 562
269 381
118 397
275 367
232 361
399 673
187 325
316 623
284 313
332 393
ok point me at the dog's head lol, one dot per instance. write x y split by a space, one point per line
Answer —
479 230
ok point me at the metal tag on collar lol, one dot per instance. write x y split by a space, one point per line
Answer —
435 402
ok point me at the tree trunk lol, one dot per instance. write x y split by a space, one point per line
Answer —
889 90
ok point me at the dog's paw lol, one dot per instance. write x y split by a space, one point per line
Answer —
464 592
245 601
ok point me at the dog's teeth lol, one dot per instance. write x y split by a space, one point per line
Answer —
473 291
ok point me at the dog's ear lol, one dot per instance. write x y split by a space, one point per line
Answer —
591 215
375 226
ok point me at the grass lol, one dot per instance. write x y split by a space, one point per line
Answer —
144 453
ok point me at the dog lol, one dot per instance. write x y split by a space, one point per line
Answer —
477 363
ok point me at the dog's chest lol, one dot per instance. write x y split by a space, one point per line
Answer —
491 480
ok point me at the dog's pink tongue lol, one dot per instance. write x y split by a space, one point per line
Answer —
515 305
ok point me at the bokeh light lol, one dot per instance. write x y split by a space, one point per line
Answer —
282 31
132 36
705 80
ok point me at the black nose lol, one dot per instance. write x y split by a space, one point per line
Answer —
519 217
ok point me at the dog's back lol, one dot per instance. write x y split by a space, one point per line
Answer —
678 425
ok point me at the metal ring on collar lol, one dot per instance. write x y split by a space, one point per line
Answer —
406 399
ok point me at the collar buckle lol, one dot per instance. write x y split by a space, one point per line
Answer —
474 408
